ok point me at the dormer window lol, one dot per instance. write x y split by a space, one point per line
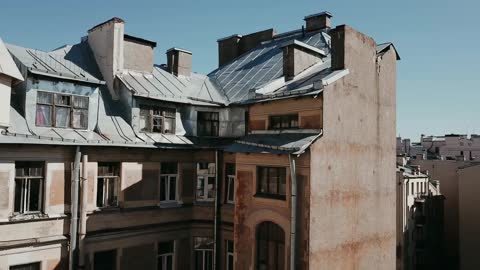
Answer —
157 120
60 110
288 121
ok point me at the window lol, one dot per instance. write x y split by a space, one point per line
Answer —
30 266
28 187
271 182
108 184
158 120
168 181
230 182
165 255
284 121
203 253
59 110
229 261
207 124
105 260
270 246
205 189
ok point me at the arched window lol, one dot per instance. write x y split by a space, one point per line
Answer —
270 246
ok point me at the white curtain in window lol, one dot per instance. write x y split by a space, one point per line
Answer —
62 117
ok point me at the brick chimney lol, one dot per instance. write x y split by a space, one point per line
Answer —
106 42
318 21
179 62
298 56
233 46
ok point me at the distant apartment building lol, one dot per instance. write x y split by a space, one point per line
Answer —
419 219
274 160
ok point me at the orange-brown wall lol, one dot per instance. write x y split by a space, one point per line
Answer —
251 210
309 111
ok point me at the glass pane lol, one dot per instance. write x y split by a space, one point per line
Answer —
230 262
169 112
157 124
100 192
263 180
43 116
214 129
80 118
231 189
62 117
165 247
62 100
198 260
112 192
169 263
35 194
169 168
80 102
200 187
211 187
44 97
208 260
163 188
230 246
18 195
169 125
173 185
144 120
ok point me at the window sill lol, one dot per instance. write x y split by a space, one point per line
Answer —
271 196
170 204
28 216
204 202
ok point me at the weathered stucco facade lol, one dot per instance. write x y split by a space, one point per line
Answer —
274 160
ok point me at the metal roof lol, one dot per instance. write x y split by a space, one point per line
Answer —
385 46
281 143
7 66
261 65
160 84
68 62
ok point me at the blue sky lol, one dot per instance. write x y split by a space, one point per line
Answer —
438 76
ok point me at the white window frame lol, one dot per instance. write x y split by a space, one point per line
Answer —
168 186
204 252
166 255
26 191
206 189
230 181
106 184
229 254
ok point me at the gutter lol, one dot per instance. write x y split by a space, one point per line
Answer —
216 217
83 213
293 217
74 211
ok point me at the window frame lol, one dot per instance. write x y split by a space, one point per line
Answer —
26 191
72 108
206 175
35 264
269 232
229 182
210 119
204 251
151 117
284 120
281 172
169 176
116 188
229 254
164 256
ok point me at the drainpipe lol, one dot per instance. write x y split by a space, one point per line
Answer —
74 210
215 218
293 218
83 213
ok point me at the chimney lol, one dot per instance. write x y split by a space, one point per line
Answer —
179 62
319 21
228 49
106 42
233 46
298 56
9 75
351 49
138 53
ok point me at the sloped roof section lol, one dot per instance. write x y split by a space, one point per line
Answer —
160 84
7 66
68 62
261 65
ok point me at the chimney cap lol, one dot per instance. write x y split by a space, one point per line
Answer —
324 13
114 19
303 45
229 37
179 50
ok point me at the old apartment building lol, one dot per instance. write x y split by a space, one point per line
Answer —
419 218
274 160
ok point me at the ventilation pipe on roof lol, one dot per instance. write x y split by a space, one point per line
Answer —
73 250
319 21
179 62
